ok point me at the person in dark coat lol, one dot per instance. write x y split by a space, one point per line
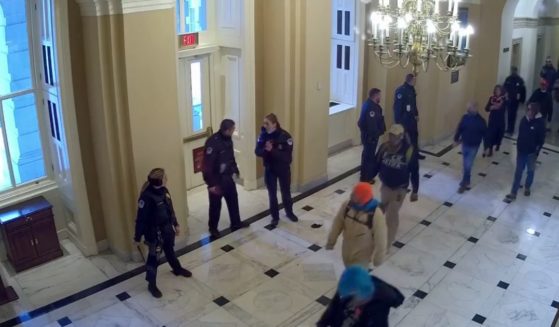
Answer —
372 126
275 147
496 106
516 94
548 73
543 97
157 224
531 137
218 169
470 132
362 300
405 111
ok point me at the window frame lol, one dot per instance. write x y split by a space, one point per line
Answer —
37 88
180 13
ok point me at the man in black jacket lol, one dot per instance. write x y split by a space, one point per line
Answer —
396 165
157 223
516 94
405 111
361 301
372 126
218 170
544 100
531 137
470 132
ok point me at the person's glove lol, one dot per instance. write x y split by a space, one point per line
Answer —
414 197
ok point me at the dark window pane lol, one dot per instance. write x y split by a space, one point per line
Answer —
51 120
55 115
45 65
347 57
339 57
347 21
339 22
49 62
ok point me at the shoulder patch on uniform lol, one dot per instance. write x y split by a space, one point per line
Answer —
141 204
399 95
372 114
290 142
209 150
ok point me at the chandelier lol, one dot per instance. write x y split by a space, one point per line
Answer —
418 32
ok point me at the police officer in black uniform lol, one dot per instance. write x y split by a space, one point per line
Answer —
405 111
157 223
516 94
372 126
275 147
218 169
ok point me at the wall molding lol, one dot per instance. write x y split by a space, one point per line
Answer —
527 22
116 7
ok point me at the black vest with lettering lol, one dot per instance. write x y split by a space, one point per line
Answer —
394 167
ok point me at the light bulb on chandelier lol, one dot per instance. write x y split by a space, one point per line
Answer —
423 32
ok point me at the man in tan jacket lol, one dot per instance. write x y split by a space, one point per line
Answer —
364 229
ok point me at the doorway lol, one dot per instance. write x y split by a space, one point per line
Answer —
516 55
539 61
195 112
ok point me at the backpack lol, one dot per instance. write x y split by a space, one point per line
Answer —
370 217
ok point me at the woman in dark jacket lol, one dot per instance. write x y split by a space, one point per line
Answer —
496 106
275 147
361 301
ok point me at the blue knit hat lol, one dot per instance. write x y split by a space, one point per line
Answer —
356 281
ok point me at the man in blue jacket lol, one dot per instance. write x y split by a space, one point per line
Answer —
470 133
531 137
405 111
372 126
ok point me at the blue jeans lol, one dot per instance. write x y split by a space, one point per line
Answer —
469 155
528 161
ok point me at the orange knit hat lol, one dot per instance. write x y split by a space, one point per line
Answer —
362 193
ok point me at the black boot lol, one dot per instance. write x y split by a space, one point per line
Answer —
292 217
215 234
155 292
242 224
182 272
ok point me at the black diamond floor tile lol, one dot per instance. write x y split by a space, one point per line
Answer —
446 164
473 240
315 248
545 152
521 257
450 265
308 208
479 319
547 214
324 300
221 301
556 198
493 219
448 204
555 304
503 285
495 163
506 152
482 174
270 227
425 223
420 294
399 245
340 191
227 248
271 273
123 296
427 175
65 321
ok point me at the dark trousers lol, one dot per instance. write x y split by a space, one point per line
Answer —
228 190
166 242
413 136
271 178
368 160
495 134
469 155
512 109
524 161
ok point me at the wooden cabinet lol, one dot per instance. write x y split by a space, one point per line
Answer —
29 233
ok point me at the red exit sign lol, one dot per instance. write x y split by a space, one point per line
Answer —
189 40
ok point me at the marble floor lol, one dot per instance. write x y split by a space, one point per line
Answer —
460 260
